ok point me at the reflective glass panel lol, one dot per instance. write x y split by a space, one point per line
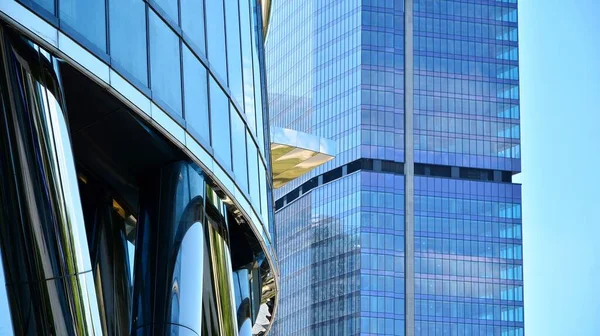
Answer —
129 50
192 23
234 56
247 67
164 64
196 94
170 8
88 18
46 4
238 147
253 172
215 28
219 122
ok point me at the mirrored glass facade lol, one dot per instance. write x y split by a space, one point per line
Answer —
422 98
138 84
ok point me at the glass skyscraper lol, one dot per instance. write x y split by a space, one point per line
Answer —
415 227
135 169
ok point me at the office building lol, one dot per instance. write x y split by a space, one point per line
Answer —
135 175
415 227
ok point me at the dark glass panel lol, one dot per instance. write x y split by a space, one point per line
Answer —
238 145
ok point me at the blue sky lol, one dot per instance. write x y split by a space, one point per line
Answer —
560 111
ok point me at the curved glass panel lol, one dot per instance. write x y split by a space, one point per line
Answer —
164 64
87 18
129 50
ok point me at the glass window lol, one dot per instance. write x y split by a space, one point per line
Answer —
238 147
257 84
253 172
234 55
170 8
215 27
247 66
196 94
129 50
263 187
165 64
87 18
46 4
192 22
219 124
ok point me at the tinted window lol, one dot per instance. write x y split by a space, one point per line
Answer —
219 122
192 22
215 27
169 7
234 56
238 147
196 95
253 172
87 18
46 4
164 64
129 50
247 67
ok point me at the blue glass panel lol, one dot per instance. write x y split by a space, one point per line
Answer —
238 145
234 56
219 124
253 172
46 4
215 31
195 95
170 8
165 64
87 18
129 50
192 22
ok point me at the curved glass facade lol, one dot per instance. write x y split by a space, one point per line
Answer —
192 71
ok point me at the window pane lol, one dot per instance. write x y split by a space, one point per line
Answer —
219 122
257 83
170 8
129 50
263 187
46 4
238 146
196 94
87 18
215 27
253 173
192 22
247 64
234 57
164 64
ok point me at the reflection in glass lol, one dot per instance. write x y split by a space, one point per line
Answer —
219 122
170 8
87 18
164 64
215 32
47 5
5 320
247 66
129 49
238 146
253 172
234 56
196 94
192 22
